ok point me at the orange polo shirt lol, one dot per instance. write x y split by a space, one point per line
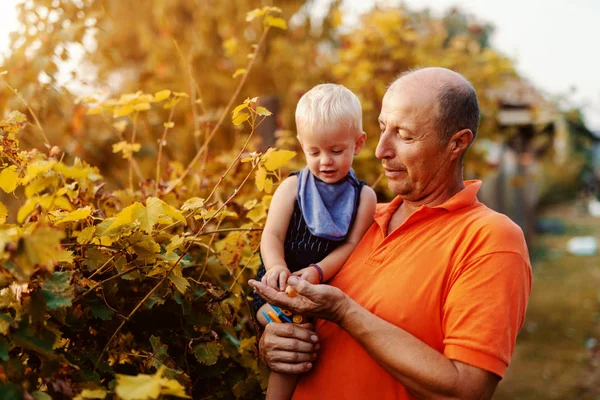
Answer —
457 276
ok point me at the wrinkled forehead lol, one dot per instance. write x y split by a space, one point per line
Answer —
409 98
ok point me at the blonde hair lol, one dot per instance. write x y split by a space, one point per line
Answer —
327 107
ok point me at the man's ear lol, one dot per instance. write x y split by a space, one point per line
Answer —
359 143
460 142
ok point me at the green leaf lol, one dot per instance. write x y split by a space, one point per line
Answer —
208 353
41 396
4 349
100 310
28 337
58 291
10 391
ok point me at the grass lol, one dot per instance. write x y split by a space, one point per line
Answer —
551 360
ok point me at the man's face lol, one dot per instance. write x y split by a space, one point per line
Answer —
409 148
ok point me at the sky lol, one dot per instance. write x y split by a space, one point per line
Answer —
554 43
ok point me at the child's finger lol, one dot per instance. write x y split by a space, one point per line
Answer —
272 280
282 280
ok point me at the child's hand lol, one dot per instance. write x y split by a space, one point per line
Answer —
309 273
276 277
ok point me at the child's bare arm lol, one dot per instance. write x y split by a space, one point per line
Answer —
273 236
331 264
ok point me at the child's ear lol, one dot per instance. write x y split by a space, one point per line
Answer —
360 142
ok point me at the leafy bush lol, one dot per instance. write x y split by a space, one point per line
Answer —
99 285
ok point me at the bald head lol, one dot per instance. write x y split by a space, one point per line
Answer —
457 105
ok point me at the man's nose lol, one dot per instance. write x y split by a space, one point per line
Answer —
383 149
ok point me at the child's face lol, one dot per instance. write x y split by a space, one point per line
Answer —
329 155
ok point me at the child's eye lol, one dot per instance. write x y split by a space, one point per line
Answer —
337 151
313 154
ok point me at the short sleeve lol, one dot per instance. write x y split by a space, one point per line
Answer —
485 309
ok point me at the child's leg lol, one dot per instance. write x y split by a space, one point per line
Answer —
281 386
259 314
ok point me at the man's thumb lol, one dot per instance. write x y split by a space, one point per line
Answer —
301 286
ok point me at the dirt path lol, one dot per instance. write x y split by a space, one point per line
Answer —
563 320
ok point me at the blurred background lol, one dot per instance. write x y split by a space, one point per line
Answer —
532 63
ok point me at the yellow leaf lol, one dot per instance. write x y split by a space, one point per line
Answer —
94 110
263 111
237 110
86 235
123 218
46 202
269 185
9 178
241 118
261 175
257 12
162 95
257 213
37 168
91 394
126 148
275 159
180 282
181 94
40 185
230 46
41 248
239 72
76 215
139 387
3 73
276 22
249 204
156 204
3 213
142 107
175 243
123 111
143 387
171 387
169 124
120 126
192 204
266 200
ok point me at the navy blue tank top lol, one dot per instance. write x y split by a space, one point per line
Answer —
302 248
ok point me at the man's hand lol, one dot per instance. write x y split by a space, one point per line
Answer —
322 301
289 348
309 273
276 277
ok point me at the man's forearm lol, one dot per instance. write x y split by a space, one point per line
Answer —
422 370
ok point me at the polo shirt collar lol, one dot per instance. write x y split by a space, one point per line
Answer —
462 199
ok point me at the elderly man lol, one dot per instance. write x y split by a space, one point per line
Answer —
430 302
